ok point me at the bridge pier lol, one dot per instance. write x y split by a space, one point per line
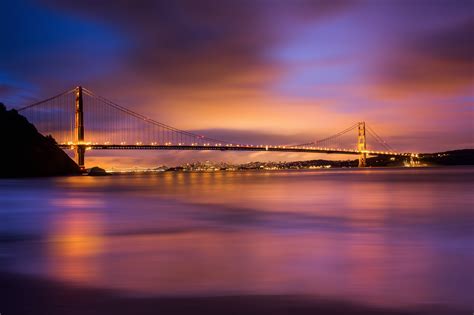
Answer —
80 155
362 145
80 151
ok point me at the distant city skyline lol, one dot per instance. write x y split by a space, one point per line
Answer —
260 71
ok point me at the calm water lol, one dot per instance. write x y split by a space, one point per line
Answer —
398 237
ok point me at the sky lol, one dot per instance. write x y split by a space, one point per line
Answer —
256 71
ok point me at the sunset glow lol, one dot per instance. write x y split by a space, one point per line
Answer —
257 71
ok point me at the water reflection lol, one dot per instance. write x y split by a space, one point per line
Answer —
384 237
75 238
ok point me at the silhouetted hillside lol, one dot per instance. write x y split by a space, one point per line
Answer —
26 153
455 157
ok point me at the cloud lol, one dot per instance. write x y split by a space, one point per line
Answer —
254 136
200 44
6 89
437 62
260 70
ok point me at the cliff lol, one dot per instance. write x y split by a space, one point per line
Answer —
26 153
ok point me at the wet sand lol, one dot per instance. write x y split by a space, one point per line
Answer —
29 295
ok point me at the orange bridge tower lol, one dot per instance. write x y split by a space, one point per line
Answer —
362 144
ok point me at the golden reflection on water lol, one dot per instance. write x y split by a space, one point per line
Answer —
75 240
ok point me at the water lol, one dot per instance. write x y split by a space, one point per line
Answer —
390 237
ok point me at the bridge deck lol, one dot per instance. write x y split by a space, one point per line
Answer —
230 148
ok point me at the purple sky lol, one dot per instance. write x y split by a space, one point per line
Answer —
258 71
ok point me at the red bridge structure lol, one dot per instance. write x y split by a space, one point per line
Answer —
80 120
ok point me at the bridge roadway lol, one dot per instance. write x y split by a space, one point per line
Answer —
230 147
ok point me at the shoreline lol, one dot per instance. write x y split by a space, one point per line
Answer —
153 172
22 294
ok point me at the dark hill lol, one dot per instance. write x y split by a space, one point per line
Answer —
455 157
27 153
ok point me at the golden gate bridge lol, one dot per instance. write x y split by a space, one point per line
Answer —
80 120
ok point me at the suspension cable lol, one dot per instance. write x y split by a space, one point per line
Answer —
379 139
149 120
44 101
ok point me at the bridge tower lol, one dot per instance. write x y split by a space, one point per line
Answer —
80 151
362 144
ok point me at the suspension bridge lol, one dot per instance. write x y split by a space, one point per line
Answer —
80 120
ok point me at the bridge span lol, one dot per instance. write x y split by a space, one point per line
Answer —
231 147
80 120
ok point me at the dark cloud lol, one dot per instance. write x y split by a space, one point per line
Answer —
198 43
440 61
454 44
